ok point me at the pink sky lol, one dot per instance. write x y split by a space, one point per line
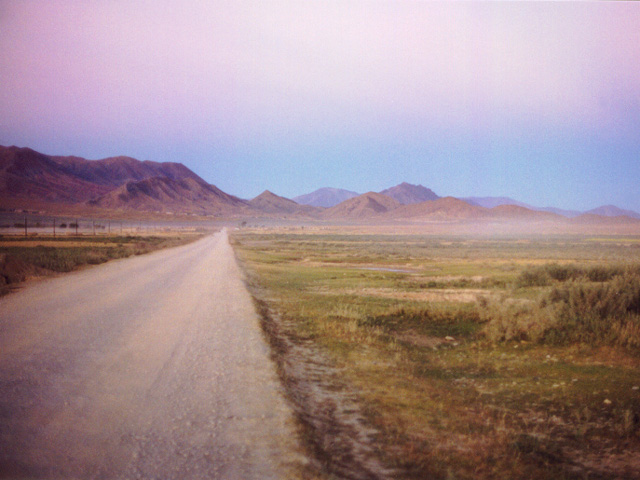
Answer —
294 96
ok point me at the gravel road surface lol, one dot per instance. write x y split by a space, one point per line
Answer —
151 367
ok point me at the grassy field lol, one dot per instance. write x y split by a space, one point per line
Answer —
472 357
22 258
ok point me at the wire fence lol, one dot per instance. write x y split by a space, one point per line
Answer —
31 225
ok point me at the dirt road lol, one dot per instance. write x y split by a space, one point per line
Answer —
152 367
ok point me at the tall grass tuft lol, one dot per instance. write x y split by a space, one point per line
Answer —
597 312
544 275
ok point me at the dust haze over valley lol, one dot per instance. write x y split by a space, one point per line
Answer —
314 241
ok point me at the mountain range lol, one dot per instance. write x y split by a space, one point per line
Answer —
32 180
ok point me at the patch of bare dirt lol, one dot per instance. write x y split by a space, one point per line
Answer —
460 295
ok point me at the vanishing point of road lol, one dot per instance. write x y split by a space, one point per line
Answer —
152 367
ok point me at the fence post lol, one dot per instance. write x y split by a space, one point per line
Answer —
54 227
25 226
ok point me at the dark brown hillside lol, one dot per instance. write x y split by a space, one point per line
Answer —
116 171
166 195
28 176
515 212
272 204
367 205
29 179
446 208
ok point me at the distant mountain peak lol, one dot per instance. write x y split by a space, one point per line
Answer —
408 194
270 203
269 193
325 197
613 211
492 202
367 205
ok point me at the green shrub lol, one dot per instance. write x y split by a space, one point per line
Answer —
600 273
514 321
577 311
562 273
542 276
533 277
595 313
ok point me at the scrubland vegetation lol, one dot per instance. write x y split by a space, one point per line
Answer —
472 357
26 257
597 305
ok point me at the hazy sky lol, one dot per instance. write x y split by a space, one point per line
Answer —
537 101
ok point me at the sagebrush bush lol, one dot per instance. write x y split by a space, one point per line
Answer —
601 273
543 275
595 313
562 273
509 321
590 312
533 277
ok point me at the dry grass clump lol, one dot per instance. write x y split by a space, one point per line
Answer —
24 259
606 313
601 312
65 259
514 321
